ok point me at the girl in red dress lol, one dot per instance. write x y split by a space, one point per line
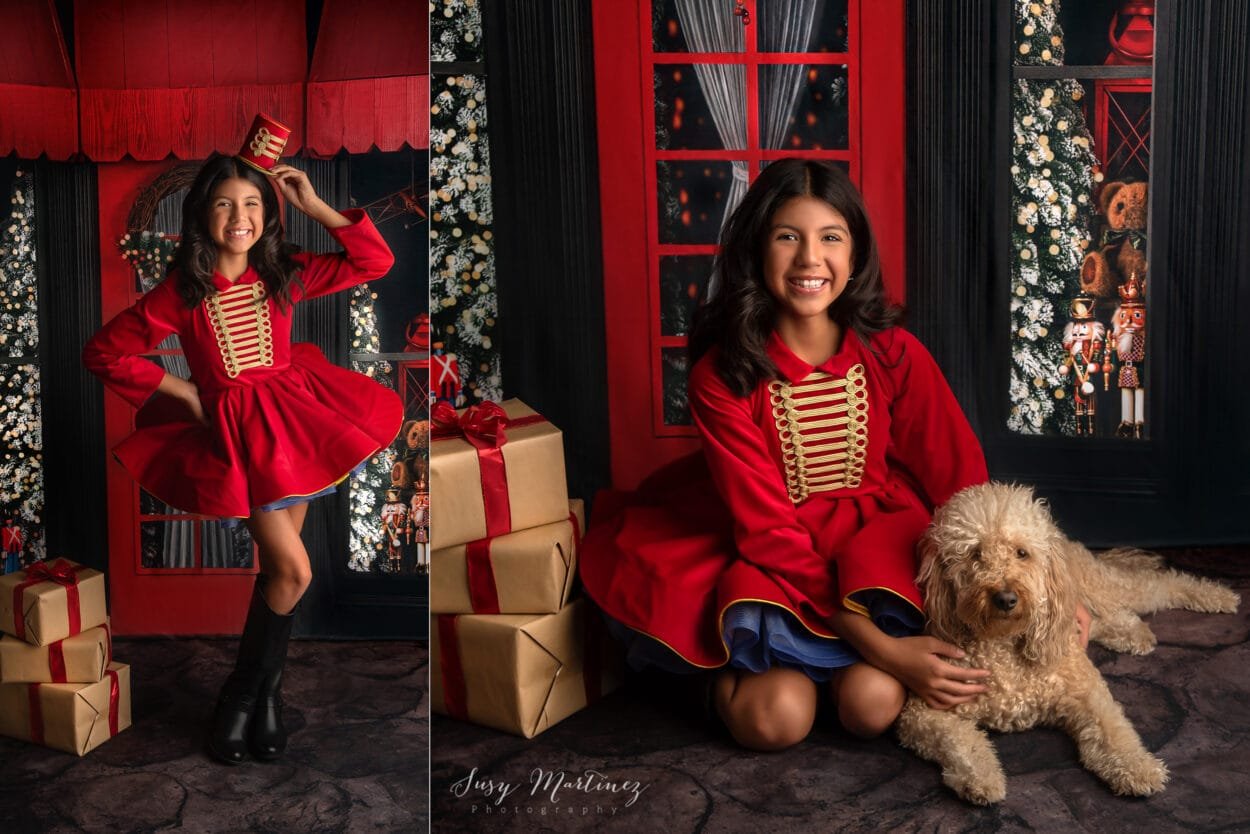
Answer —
829 435
263 425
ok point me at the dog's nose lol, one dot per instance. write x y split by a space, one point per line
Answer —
1005 600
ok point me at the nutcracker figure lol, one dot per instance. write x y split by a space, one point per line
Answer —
1082 344
1128 338
12 540
394 528
420 521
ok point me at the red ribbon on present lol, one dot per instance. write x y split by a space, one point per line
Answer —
56 662
114 701
63 573
483 589
455 691
484 427
36 713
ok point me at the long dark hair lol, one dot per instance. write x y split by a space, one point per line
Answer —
196 255
741 313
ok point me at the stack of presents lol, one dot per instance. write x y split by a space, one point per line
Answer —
59 685
512 646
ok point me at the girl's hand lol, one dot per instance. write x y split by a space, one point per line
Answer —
295 187
191 396
917 663
299 192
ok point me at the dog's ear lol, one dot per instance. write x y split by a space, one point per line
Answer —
935 588
1050 630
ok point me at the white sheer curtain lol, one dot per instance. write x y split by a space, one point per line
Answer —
785 26
710 26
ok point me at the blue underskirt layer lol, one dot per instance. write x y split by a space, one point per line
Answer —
762 636
291 501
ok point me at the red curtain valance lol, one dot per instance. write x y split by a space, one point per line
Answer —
369 82
184 78
38 99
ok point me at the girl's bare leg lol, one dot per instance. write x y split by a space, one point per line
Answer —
769 711
283 558
297 514
868 699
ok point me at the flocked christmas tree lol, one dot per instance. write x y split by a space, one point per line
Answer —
21 423
1053 173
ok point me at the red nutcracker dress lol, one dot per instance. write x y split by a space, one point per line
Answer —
815 490
284 421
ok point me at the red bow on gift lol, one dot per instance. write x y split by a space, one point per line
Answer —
62 573
481 425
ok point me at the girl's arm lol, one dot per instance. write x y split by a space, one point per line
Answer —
366 257
114 352
915 661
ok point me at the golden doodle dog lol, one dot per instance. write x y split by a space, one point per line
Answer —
1002 583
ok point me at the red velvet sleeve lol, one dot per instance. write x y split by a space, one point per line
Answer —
113 352
929 435
766 529
365 257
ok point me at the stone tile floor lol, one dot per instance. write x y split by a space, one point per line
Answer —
1190 701
357 761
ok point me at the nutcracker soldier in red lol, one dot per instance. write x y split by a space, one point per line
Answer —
1083 346
419 519
1128 338
12 541
394 528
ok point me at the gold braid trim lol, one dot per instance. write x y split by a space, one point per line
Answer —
822 423
240 320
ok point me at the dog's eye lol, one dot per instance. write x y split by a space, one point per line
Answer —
975 555
1021 553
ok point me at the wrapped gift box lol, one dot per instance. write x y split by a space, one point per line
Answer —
504 483
525 572
43 610
521 673
82 658
74 717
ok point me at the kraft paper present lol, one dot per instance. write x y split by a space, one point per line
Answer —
43 613
522 673
533 482
74 717
82 658
526 572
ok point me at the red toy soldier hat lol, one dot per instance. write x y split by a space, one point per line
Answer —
1133 292
264 143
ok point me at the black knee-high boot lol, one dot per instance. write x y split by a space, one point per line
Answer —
267 737
246 703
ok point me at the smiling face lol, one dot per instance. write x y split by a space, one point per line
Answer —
236 217
807 258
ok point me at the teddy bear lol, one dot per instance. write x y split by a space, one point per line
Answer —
1122 254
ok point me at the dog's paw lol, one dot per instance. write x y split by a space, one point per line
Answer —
979 788
1135 641
1145 775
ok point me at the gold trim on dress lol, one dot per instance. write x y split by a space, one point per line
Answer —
822 422
240 320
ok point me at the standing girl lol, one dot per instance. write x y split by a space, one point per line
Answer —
829 435
263 425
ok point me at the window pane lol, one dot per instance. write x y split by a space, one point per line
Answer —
225 547
167 544
695 26
802 25
700 106
804 107
1080 212
683 281
693 197
676 375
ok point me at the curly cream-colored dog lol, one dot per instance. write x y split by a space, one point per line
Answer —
1002 583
